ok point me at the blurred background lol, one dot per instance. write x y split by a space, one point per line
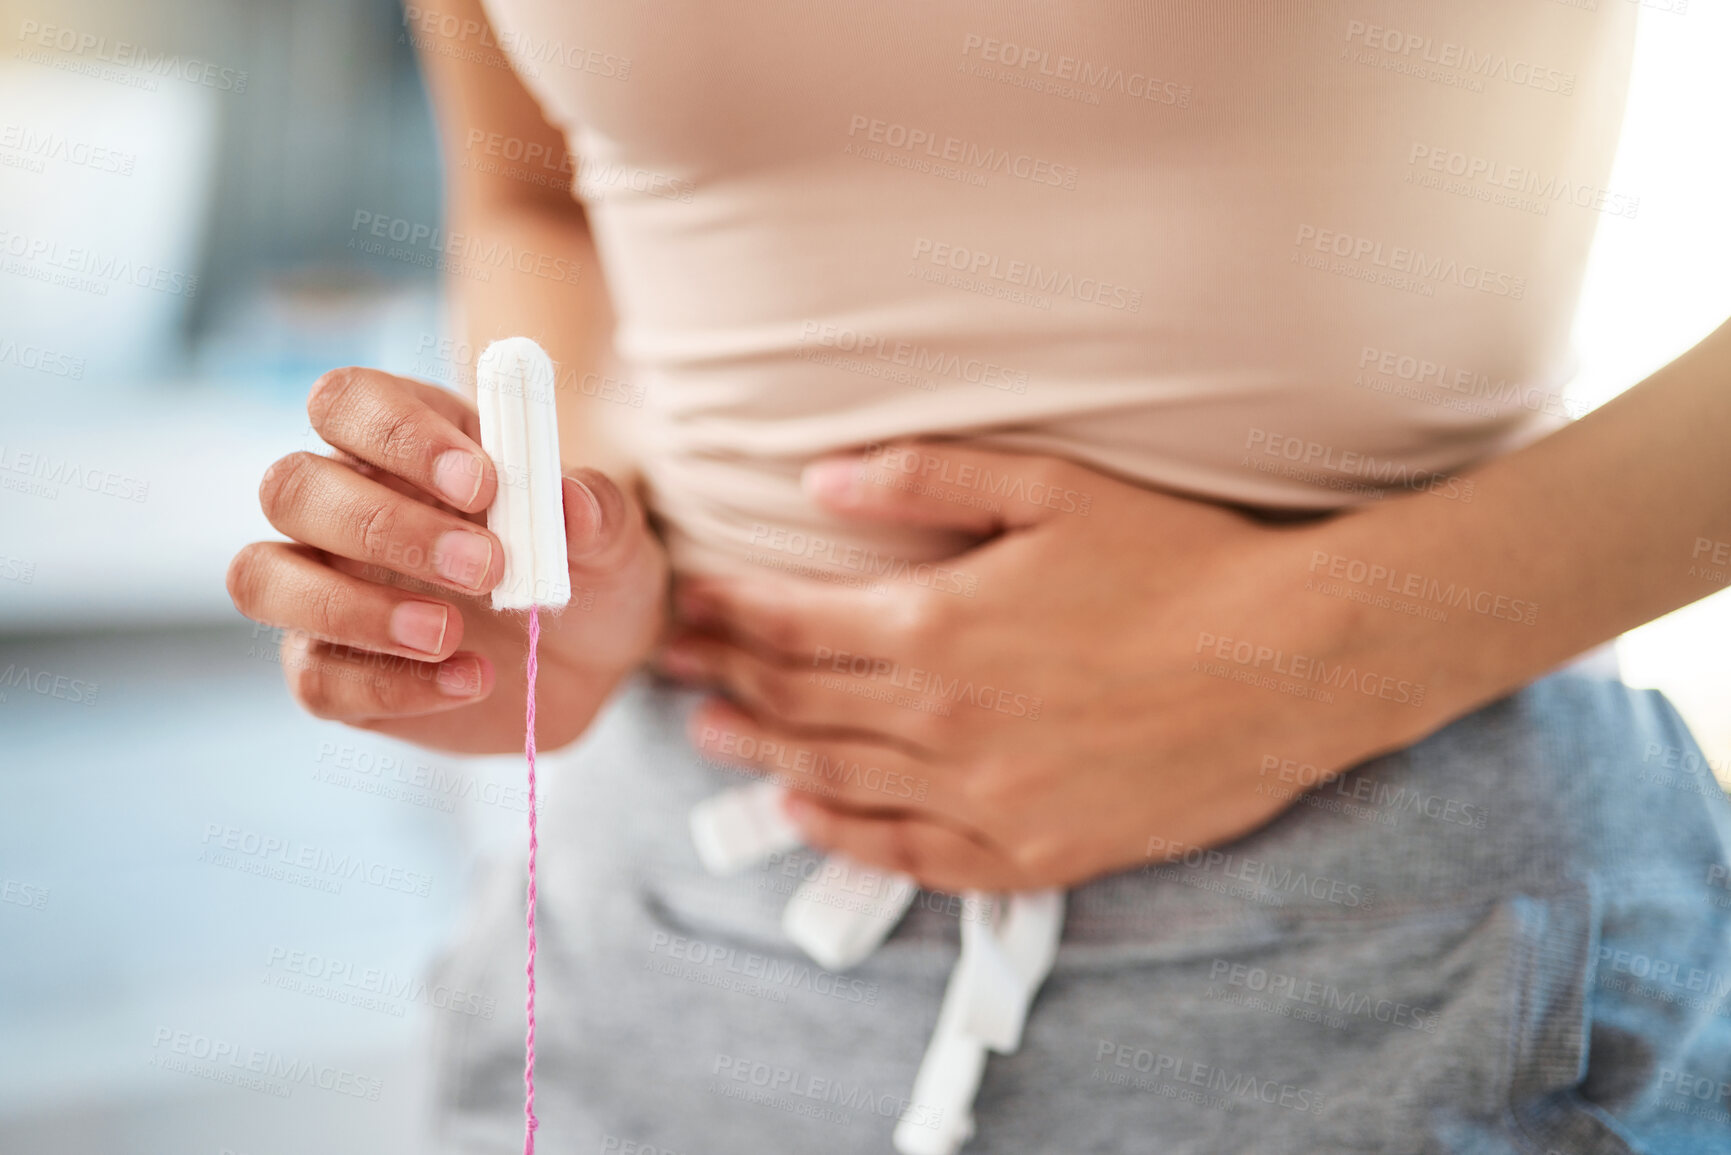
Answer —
180 186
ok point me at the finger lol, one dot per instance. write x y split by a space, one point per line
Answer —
618 577
872 696
349 685
391 481
792 620
860 774
329 506
938 857
951 486
605 529
406 428
282 584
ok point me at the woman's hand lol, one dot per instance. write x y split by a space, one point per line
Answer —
383 591
1109 677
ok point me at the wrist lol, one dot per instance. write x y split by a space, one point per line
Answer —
1401 663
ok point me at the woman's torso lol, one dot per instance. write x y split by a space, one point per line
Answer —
1291 256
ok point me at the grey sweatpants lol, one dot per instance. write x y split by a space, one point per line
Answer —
1511 937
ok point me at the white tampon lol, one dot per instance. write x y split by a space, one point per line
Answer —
520 432
739 827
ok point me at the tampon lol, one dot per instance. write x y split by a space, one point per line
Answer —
520 432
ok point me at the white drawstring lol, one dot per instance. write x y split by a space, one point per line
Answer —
842 913
1007 952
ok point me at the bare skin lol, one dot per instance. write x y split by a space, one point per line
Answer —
1149 631
366 526
383 588
1176 647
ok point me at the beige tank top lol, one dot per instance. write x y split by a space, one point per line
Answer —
1290 255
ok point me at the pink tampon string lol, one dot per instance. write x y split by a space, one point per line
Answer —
529 1120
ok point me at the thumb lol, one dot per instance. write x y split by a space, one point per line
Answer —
605 530
618 585
950 486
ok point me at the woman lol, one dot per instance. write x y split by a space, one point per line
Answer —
1003 366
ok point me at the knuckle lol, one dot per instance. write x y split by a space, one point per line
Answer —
399 436
922 623
1048 471
324 609
782 631
777 693
1039 858
929 728
376 528
988 781
333 393
903 849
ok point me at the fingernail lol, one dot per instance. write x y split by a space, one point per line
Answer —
419 626
457 475
463 557
834 478
459 678
583 517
